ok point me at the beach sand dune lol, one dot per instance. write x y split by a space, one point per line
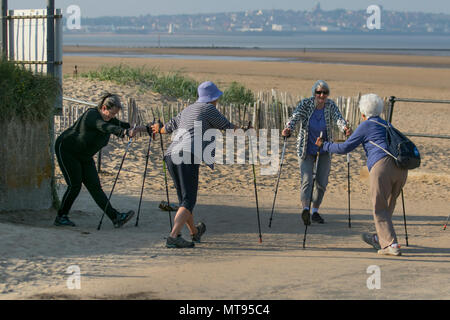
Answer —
230 263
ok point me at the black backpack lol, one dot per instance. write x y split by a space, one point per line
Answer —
403 150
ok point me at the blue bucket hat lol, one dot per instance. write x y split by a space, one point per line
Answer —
208 92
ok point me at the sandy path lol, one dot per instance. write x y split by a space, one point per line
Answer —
133 263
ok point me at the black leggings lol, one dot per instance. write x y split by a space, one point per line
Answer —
77 172
185 178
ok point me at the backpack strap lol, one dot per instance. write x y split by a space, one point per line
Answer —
381 124
383 149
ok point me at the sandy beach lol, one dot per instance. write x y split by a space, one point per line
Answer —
133 263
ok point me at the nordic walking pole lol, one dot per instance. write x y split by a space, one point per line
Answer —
348 187
404 218
165 175
254 183
445 225
316 164
115 181
150 133
278 181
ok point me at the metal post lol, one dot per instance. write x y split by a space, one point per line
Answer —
391 111
50 37
3 29
391 108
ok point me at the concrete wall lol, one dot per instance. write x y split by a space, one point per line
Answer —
25 166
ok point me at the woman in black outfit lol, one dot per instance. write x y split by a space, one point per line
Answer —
75 148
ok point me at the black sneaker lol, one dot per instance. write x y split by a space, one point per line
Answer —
63 221
179 242
123 218
317 218
201 229
370 239
306 217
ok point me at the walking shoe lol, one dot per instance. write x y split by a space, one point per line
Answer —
201 229
178 242
317 218
369 238
123 218
306 217
164 206
390 251
63 221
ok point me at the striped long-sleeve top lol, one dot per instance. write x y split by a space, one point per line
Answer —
189 128
303 112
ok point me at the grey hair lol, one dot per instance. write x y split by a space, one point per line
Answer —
371 105
110 100
319 84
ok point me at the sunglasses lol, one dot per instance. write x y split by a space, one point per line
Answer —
324 92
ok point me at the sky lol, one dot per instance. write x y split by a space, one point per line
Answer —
97 8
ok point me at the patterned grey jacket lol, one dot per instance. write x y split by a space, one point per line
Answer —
303 112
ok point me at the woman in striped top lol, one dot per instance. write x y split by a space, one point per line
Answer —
316 115
184 155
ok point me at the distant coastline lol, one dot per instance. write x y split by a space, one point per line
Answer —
429 45
317 55
265 33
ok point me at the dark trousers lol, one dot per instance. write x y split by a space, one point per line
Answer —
185 178
77 172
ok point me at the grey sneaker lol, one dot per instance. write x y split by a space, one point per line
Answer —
390 251
63 221
369 238
306 217
164 206
178 242
123 218
201 229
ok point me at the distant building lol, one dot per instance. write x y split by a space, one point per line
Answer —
277 27
317 8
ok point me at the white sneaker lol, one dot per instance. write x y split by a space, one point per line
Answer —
390 251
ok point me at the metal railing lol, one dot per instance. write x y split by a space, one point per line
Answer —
393 100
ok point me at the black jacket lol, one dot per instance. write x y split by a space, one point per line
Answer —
90 133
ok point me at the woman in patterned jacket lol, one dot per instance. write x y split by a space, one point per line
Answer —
315 114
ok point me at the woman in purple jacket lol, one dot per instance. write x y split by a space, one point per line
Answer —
385 178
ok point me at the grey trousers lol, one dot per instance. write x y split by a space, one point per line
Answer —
386 183
306 177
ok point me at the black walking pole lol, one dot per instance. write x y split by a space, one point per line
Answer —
316 164
150 133
254 183
115 181
165 175
404 218
278 181
348 187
